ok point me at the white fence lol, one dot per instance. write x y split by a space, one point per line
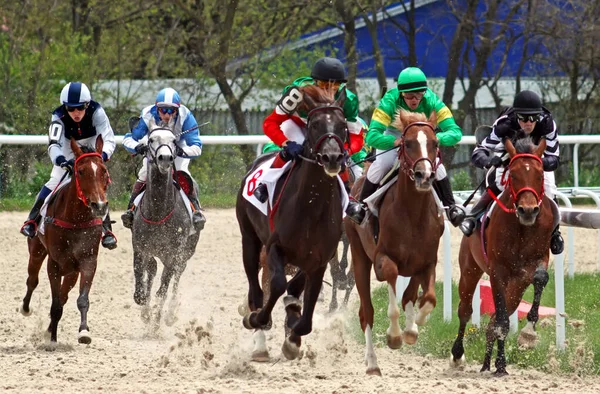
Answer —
577 141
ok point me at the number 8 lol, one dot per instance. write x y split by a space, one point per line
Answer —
292 99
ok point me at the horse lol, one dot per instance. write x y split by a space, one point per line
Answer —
411 225
514 252
71 237
161 226
303 227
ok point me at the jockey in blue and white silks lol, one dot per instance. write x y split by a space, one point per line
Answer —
189 145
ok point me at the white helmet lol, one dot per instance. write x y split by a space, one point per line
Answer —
75 94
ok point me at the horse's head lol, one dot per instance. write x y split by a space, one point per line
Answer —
91 177
327 130
525 179
419 149
161 146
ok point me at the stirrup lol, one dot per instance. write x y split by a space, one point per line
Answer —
356 211
109 240
557 244
261 193
456 215
27 229
468 226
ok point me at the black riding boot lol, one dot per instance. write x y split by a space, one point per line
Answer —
29 229
354 206
455 213
198 219
470 222
368 188
557 244
127 217
109 240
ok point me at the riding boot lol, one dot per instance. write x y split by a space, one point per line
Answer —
198 219
368 188
109 240
470 222
29 229
260 192
557 244
455 212
127 217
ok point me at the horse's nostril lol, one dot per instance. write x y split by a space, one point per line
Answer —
165 158
339 158
536 210
325 158
521 210
418 175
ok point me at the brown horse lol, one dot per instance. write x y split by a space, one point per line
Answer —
73 228
515 252
410 229
304 226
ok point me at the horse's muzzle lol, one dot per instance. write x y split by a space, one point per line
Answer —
527 215
423 179
99 208
331 162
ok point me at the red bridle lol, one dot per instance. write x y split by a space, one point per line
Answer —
506 181
407 164
80 194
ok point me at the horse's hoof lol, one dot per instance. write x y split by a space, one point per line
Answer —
410 337
290 350
170 319
374 371
25 312
84 337
139 298
246 321
243 309
146 314
454 363
261 356
394 342
528 339
500 372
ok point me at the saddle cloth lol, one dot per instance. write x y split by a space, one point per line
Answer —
269 176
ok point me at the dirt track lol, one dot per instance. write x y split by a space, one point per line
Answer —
208 350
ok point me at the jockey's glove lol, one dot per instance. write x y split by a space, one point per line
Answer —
67 165
494 161
141 149
292 150
179 151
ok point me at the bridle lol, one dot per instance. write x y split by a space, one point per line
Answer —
407 164
80 194
506 181
152 153
318 157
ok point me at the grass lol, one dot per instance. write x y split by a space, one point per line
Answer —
582 352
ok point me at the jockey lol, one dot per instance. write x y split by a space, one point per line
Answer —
284 125
411 94
526 117
80 118
167 105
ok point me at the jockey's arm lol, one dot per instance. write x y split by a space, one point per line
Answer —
56 134
451 133
381 119
132 139
272 126
190 142
355 129
102 125
551 157
483 153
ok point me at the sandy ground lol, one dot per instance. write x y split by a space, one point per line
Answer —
207 350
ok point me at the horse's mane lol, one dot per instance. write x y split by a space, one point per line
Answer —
87 149
409 117
318 95
525 145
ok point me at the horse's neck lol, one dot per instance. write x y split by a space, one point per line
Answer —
408 200
315 189
67 205
160 196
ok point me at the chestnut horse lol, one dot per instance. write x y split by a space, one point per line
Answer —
304 226
410 229
73 228
515 252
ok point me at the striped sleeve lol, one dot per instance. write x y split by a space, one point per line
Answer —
552 148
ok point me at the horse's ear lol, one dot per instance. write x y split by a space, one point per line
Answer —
151 123
541 148
75 148
99 144
433 119
510 148
400 119
341 99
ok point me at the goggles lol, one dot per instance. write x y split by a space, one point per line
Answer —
413 96
167 110
528 118
81 107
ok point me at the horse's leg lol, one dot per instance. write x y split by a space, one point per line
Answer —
68 283
171 316
276 263
409 300
387 270
37 254
165 280
251 248
362 275
344 259
349 286
87 270
336 279
139 295
470 273
292 303
499 324
528 337
291 345
56 309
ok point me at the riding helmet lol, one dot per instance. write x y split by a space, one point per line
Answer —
329 69
168 97
527 102
75 94
412 79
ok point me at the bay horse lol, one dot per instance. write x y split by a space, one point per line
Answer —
71 237
161 226
410 229
304 226
514 252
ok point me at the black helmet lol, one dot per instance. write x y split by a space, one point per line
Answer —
329 69
528 103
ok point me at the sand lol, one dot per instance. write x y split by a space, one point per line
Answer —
207 350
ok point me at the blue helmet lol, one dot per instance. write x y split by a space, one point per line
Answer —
75 94
168 97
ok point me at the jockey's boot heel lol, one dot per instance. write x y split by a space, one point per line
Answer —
467 226
261 193
368 188
109 240
557 243
356 211
199 220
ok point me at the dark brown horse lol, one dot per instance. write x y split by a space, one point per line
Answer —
515 252
73 228
304 227
410 229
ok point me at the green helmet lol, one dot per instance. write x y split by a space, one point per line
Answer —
411 79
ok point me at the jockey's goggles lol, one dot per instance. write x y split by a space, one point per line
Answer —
81 107
413 96
328 84
528 118
167 110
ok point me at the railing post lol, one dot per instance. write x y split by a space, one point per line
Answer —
576 164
